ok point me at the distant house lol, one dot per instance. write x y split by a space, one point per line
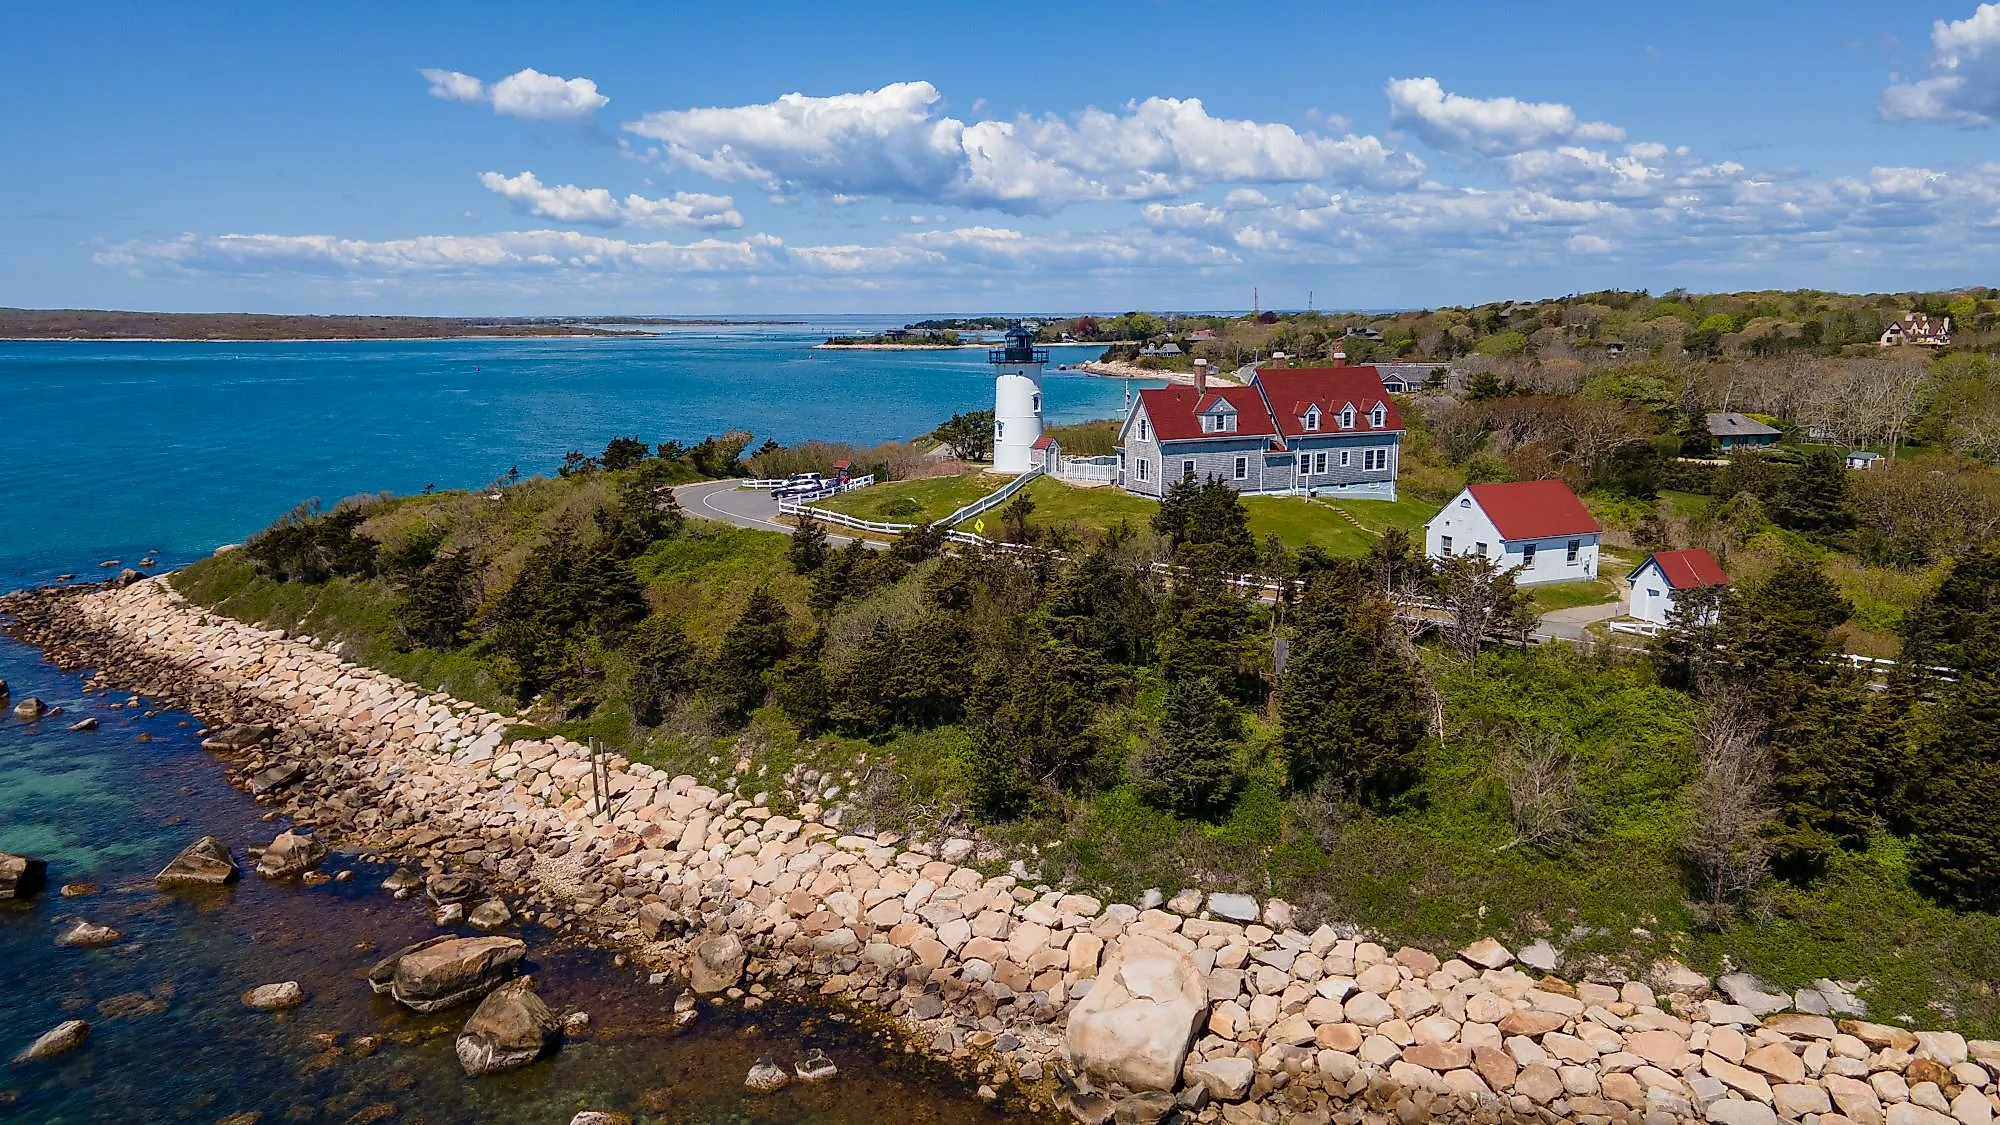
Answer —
1296 430
1918 328
1667 573
1201 335
1862 459
1402 378
1536 528
1170 348
1735 431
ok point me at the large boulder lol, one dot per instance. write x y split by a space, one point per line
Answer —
717 963
62 1038
1135 1025
434 975
275 997
88 935
511 1028
273 778
454 887
30 709
241 736
205 863
292 853
21 876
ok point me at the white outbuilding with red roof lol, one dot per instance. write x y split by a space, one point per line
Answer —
1668 573
1536 528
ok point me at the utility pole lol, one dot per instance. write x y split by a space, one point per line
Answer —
1256 309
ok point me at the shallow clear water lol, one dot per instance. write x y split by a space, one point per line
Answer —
172 1041
114 450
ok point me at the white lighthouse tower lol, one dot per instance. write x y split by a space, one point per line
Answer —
1017 400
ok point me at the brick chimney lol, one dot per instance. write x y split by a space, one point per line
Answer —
1339 358
1277 359
1200 377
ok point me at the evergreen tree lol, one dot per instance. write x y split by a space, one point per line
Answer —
1209 631
1034 709
566 592
808 548
1347 703
438 601
1190 767
1955 788
663 669
1935 630
624 453
759 638
1102 607
1815 501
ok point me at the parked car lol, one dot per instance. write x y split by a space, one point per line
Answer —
798 484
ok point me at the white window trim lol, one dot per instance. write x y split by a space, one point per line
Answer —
1347 418
1242 468
1311 418
1344 458
1142 468
1188 467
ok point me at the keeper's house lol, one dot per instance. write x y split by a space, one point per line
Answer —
1536 528
1290 430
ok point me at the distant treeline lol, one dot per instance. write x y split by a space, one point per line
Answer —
98 324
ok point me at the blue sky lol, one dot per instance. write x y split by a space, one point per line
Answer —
754 157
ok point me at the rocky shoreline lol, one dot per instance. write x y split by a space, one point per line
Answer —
1204 1007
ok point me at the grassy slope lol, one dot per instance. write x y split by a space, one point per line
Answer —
1436 869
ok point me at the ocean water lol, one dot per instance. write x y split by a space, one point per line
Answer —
116 450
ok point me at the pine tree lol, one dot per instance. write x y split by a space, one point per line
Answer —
439 599
755 643
808 548
1816 499
1347 700
1955 788
663 668
1190 767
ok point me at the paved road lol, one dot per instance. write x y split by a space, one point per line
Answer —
724 502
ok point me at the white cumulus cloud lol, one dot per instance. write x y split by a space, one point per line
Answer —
896 142
1964 86
527 94
1489 126
569 203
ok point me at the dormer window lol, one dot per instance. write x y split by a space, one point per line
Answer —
1312 418
1347 418
1377 416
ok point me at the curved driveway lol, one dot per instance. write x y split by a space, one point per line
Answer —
724 502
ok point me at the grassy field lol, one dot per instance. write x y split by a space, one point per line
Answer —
914 501
1569 595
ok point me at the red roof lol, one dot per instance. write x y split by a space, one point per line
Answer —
1041 442
1175 411
1290 390
1533 509
1691 569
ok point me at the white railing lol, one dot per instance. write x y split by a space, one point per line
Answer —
991 500
800 510
760 482
1636 628
834 488
1098 470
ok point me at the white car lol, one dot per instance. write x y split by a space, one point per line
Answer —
798 484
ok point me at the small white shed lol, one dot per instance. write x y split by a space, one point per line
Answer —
1667 573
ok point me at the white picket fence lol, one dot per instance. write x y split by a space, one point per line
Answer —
801 510
1089 470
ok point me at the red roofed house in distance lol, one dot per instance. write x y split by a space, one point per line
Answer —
1536 528
1668 573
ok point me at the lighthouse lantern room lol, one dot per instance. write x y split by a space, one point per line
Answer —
1017 400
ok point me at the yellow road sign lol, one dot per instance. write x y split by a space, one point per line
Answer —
979 527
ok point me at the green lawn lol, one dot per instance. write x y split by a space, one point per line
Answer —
1569 595
1686 505
1408 512
1299 522
914 501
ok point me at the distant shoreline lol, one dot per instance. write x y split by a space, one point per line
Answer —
113 326
1120 369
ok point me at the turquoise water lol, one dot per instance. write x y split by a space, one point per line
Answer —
114 450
